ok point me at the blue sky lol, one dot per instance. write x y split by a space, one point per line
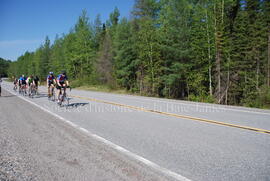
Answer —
25 23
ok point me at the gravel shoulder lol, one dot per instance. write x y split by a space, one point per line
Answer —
37 146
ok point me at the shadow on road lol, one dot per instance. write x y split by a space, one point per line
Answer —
77 105
40 95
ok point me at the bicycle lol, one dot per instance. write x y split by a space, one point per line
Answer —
63 97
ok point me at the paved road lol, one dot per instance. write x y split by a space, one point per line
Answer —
191 148
38 146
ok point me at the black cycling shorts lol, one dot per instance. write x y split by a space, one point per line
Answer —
61 83
36 83
50 83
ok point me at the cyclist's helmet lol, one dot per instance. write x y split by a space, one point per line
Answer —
51 73
63 73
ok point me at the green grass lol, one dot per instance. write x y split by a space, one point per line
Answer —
102 88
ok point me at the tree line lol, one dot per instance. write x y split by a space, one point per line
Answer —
4 65
202 50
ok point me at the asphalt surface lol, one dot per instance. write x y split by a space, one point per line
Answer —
37 146
196 150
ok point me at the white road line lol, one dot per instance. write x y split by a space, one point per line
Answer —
112 145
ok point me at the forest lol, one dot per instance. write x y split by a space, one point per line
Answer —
200 50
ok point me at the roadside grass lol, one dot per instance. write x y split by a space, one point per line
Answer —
103 88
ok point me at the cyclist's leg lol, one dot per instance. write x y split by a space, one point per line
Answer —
52 89
32 87
58 92
49 87
64 88
19 87
29 88
23 88
36 87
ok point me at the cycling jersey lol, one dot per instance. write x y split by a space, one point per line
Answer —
36 79
50 78
30 80
22 80
61 78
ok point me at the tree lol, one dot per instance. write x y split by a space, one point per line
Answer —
44 58
175 39
125 67
80 48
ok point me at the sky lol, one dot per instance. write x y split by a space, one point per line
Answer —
24 24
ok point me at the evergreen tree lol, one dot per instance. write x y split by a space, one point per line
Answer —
125 67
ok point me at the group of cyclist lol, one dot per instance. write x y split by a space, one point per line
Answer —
60 82
24 82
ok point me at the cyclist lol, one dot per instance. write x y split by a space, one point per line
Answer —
62 82
22 82
30 82
15 82
50 83
36 82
